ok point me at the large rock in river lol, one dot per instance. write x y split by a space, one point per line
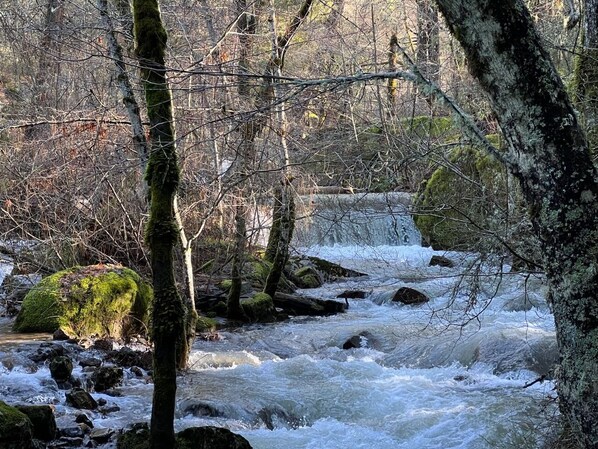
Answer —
15 428
96 300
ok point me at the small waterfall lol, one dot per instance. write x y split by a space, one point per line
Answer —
367 219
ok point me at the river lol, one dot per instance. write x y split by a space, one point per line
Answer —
452 373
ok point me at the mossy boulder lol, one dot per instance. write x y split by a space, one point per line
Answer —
431 127
205 324
97 300
42 420
307 277
465 201
16 430
260 269
207 437
259 308
331 271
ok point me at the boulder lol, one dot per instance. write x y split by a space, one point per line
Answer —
128 357
353 342
106 377
135 438
81 399
259 308
305 305
101 436
98 300
47 351
16 430
61 368
307 277
407 295
332 271
205 324
352 294
441 261
210 438
42 419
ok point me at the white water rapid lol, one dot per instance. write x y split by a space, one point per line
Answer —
444 375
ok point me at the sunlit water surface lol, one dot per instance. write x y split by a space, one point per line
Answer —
447 374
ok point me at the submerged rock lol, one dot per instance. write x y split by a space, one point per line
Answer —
61 368
104 300
81 399
407 295
107 377
352 294
353 342
441 261
210 438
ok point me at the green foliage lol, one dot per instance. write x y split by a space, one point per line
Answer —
104 300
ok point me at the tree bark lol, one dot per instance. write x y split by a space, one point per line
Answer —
162 177
586 72
428 42
548 153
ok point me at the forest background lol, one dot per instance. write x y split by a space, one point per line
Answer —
72 171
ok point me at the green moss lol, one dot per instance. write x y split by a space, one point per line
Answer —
426 126
226 284
137 437
458 205
105 300
148 30
259 308
205 324
307 277
15 427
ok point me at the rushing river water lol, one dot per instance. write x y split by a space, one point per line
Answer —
451 373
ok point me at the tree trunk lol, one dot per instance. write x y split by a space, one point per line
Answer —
162 177
547 152
586 72
428 42
279 244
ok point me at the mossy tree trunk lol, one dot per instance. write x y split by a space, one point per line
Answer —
283 217
586 73
249 129
262 102
280 236
163 178
548 153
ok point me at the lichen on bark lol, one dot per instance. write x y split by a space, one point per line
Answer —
548 153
